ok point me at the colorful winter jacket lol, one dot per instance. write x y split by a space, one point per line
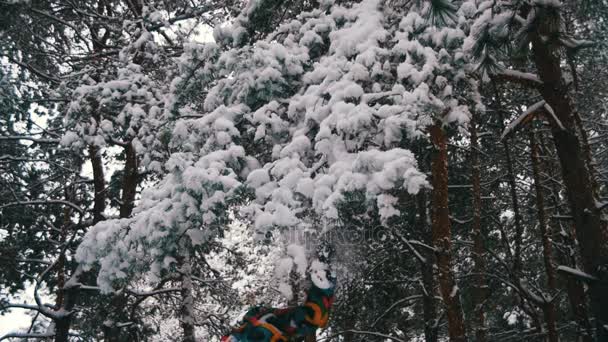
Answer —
263 324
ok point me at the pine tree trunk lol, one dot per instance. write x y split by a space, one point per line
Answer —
111 313
99 184
574 288
129 182
70 296
479 294
580 129
62 257
442 235
62 329
548 308
591 232
62 326
428 279
187 305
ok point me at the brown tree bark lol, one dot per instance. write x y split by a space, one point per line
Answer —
69 196
480 287
442 234
574 288
129 182
187 305
591 232
62 326
69 296
99 184
311 338
586 147
549 307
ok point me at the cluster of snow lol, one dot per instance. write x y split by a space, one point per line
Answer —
189 201
127 107
335 119
318 275
323 107
296 257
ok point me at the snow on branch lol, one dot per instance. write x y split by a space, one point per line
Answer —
536 109
154 292
411 248
523 78
575 44
27 260
361 332
395 304
556 121
9 305
576 273
523 119
26 336
32 335
32 139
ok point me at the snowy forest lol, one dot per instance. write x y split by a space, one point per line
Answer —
167 165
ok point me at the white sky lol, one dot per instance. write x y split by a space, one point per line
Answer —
17 319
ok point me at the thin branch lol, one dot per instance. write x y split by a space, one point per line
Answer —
361 332
44 202
523 78
32 139
26 335
395 304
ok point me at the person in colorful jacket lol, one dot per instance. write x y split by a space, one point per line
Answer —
262 324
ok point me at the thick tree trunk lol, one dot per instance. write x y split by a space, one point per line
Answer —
129 182
111 311
187 305
62 329
62 326
428 278
99 184
548 308
70 296
591 232
69 196
586 147
442 235
479 293
574 288
311 338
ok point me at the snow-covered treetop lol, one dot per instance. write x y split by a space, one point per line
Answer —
323 106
